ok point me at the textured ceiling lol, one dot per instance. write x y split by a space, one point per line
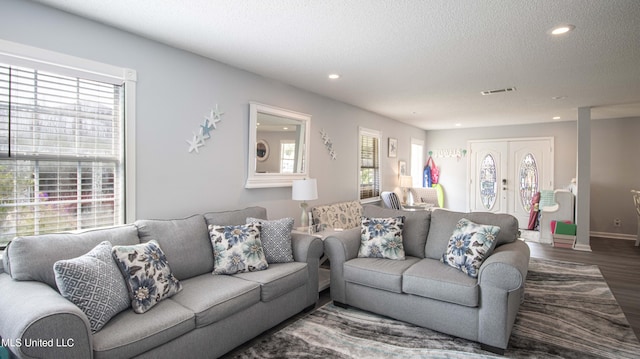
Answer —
423 62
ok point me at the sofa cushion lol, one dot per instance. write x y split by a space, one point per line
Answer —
233 218
93 283
469 245
185 242
129 334
414 232
32 257
276 239
237 249
147 273
378 273
279 279
443 222
343 215
215 297
381 238
433 279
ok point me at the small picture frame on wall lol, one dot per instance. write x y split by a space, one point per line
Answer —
393 147
402 168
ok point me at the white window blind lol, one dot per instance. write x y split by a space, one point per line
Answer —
369 179
61 152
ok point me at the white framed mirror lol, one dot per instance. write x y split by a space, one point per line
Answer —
285 136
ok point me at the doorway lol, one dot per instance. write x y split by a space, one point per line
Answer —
504 174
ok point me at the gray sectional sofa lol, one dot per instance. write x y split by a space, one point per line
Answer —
426 292
208 317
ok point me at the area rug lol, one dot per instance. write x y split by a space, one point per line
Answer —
568 312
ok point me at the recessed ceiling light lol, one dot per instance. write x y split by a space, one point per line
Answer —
562 29
556 117
334 76
458 125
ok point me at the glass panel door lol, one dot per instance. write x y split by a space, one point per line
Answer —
528 180
488 182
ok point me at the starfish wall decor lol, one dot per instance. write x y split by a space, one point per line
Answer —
204 132
328 144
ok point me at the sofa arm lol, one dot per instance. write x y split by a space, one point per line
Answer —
306 247
506 267
341 247
309 249
501 279
37 322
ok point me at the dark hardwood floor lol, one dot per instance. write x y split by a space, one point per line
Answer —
619 262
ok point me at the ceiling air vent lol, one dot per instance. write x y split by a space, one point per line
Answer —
493 92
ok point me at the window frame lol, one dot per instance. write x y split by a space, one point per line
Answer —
362 131
50 61
283 158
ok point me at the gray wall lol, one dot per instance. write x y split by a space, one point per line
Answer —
615 171
175 89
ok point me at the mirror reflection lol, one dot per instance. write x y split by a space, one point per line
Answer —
278 146
287 137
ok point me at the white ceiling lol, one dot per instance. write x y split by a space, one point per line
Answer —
423 62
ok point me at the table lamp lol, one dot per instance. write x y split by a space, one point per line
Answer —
407 182
304 190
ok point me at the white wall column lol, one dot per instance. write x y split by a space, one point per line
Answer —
583 199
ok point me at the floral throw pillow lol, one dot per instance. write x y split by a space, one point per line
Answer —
237 249
147 274
469 246
381 238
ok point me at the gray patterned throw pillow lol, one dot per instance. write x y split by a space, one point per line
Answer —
147 274
93 282
276 239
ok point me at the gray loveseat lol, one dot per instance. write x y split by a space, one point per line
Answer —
426 292
211 315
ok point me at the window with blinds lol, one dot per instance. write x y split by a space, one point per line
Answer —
61 152
369 179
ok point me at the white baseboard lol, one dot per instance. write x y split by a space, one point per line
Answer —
582 247
630 237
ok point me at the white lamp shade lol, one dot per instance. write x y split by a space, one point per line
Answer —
406 181
304 190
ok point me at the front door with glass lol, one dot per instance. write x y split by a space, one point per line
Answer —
504 175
